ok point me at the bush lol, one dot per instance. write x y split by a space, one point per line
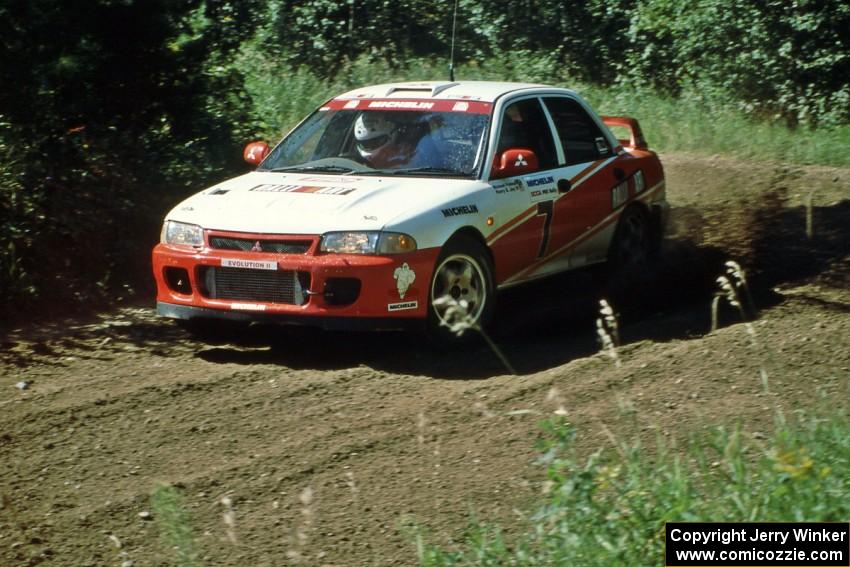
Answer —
784 59
119 110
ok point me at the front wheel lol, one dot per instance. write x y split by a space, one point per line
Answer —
461 295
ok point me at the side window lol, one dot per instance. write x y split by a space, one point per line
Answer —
581 138
524 125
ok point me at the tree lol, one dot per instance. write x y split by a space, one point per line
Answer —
110 107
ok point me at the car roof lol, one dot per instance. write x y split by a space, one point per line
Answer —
486 91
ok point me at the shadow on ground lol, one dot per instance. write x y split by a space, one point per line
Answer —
551 322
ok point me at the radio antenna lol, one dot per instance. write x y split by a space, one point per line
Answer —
452 56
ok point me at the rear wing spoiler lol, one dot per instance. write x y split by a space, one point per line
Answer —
636 140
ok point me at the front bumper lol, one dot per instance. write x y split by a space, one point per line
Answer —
191 283
328 323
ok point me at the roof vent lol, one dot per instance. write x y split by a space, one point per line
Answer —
425 88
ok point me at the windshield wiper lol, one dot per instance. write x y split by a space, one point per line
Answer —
314 168
423 169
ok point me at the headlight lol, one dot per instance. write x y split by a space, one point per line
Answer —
372 242
180 233
350 242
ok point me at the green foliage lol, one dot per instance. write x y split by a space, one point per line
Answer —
581 39
787 59
15 204
118 109
173 522
690 124
782 58
323 35
611 510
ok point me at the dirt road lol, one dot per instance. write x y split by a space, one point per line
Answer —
326 446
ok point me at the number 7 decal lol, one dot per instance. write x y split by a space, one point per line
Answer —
546 208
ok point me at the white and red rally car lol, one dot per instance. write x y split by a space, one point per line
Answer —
389 197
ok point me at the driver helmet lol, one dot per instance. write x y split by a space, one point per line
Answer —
373 132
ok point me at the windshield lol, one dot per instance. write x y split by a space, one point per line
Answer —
439 139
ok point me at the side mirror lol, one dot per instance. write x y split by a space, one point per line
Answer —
515 161
255 152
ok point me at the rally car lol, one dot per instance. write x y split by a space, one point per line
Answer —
390 197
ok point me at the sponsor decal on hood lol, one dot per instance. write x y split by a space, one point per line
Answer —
268 188
284 203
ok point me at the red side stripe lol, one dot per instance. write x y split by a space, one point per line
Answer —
579 240
511 223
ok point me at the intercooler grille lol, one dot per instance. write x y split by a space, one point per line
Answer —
247 245
268 286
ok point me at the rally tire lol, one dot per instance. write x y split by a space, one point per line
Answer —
463 272
632 254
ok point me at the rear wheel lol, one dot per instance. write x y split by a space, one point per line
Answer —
632 252
462 291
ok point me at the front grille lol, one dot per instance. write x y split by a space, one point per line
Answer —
248 244
268 286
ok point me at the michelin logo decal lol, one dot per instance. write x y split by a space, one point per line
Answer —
540 181
412 105
403 306
461 210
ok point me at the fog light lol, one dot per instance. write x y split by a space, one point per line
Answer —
341 291
177 280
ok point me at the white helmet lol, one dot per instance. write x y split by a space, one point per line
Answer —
373 132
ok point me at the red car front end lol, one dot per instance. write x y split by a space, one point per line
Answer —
286 278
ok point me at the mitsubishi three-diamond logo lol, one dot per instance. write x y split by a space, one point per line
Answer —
256 247
520 161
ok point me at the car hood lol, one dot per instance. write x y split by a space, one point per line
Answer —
286 203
